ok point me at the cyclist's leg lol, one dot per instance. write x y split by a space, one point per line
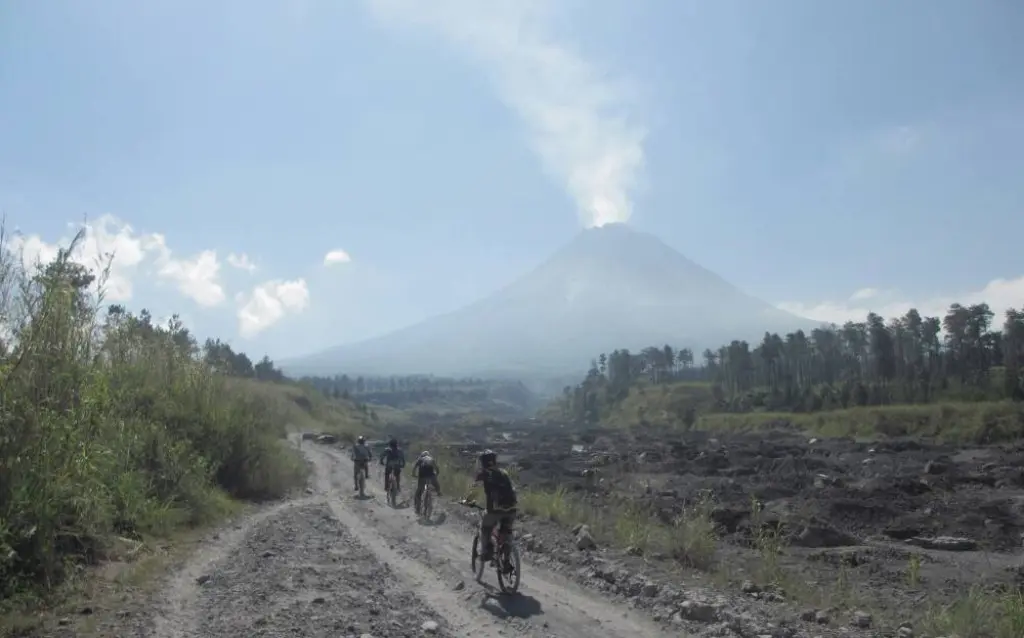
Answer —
437 486
487 523
355 475
398 479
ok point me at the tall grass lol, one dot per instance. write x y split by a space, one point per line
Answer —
110 425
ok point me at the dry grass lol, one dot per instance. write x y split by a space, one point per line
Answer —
978 614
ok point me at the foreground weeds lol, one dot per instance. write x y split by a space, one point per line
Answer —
979 614
111 427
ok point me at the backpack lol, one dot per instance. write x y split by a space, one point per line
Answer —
503 493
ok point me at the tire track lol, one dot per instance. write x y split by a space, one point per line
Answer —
434 561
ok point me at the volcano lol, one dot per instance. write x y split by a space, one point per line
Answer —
610 287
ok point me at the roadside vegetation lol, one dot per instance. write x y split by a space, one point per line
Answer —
114 429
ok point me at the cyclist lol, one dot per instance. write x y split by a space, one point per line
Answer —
393 461
361 456
426 471
501 500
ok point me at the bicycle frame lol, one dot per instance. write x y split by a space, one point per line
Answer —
498 536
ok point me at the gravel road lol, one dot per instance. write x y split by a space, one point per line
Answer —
331 564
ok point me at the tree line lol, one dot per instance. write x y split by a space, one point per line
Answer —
907 359
405 390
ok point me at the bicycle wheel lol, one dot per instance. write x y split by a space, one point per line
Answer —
477 563
428 503
509 569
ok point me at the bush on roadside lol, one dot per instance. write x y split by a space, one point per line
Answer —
111 425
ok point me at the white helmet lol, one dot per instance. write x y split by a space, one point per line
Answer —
424 453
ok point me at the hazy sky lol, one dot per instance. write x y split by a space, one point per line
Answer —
297 174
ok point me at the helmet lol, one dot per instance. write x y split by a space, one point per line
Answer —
393 443
361 439
424 453
488 458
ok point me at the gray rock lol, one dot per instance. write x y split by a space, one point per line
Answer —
946 543
861 619
698 611
816 535
584 540
430 627
650 589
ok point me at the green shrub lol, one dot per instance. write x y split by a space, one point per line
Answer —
112 426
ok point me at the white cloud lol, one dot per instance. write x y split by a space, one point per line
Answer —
336 257
268 303
241 262
576 118
864 293
108 236
999 294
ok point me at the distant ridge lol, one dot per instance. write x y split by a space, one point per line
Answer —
610 287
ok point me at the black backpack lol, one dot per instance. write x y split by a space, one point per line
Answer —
502 491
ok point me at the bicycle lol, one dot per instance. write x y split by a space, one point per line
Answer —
506 560
427 502
361 480
391 487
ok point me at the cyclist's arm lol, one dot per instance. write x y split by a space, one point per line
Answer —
473 483
416 468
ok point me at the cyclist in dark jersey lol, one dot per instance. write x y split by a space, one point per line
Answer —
393 461
426 471
361 456
501 500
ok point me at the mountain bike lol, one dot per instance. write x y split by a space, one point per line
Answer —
427 502
505 561
361 480
391 487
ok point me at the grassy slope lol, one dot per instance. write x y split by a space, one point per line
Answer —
114 436
953 421
303 409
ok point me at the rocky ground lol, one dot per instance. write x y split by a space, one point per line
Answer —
327 563
889 530
866 538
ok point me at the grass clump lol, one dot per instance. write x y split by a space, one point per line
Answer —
112 426
979 614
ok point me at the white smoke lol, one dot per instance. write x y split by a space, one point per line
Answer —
577 120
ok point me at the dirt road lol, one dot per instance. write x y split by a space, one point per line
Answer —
433 562
330 564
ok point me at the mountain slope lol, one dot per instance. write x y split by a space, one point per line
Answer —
611 287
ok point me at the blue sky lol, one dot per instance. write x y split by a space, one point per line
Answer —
830 157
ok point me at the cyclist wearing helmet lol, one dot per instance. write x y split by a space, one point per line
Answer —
426 471
501 500
393 461
361 456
